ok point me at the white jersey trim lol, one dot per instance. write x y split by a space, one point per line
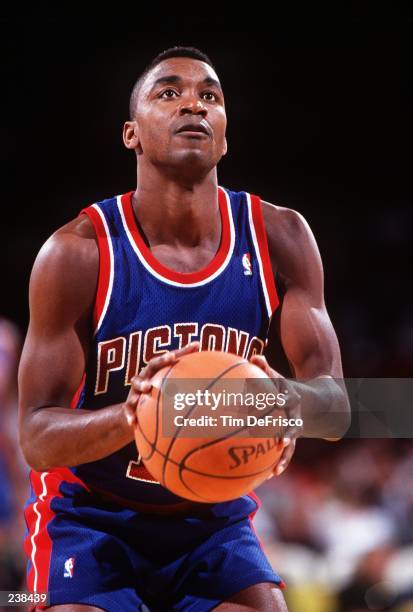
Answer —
37 528
177 283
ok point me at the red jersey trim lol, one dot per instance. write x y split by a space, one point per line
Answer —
261 234
183 278
251 516
105 281
38 515
78 392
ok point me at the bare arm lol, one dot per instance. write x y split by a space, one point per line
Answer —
62 291
55 353
306 332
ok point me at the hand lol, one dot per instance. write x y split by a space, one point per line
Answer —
141 383
292 409
285 458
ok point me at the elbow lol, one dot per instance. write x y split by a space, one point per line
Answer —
34 457
34 462
30 457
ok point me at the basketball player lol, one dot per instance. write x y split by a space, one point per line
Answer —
131 285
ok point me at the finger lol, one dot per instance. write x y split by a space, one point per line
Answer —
156 364
131 419
261 362
132 404
292 431
192 347
166 359
293 413
282 466
292 409
130 412
285 458
286 441
141 386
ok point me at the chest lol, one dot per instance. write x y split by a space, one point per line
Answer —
183 259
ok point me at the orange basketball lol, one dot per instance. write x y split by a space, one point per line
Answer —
206 464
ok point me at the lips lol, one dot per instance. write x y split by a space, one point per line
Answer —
193 127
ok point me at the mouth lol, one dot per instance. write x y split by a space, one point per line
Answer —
193 131
192 134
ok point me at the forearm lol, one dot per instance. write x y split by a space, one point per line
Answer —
56 437
325 407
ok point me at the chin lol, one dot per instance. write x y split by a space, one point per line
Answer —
192 160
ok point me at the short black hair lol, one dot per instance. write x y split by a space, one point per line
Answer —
178 51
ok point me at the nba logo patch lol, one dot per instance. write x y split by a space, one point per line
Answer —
69 565
246 262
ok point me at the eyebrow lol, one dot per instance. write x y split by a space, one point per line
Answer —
174 79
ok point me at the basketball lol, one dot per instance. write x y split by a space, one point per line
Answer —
212 468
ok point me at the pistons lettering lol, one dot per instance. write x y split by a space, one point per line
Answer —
128 353
111 357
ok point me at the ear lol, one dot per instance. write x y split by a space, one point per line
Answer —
225 146
131 135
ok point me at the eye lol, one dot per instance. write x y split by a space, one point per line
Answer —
168 91
209 93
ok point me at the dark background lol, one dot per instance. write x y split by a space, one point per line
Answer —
319 119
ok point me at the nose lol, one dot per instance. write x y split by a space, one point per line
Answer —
193 105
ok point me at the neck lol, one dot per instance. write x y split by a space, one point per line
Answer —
177 211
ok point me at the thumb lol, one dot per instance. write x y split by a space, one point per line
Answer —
130 413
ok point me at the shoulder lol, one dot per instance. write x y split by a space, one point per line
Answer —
68 261
75 240
291 243
283 223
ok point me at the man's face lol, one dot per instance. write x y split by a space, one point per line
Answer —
180 93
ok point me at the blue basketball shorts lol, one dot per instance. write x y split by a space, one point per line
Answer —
83 549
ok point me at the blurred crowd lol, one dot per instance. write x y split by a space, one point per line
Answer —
337 525
13 469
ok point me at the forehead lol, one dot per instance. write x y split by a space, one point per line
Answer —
185 67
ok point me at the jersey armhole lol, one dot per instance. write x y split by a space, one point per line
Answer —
261 246
106 267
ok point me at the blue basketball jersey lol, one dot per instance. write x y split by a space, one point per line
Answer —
117 553
143 309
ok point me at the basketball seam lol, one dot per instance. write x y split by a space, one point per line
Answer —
199 473
178 429
182 465
153 444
